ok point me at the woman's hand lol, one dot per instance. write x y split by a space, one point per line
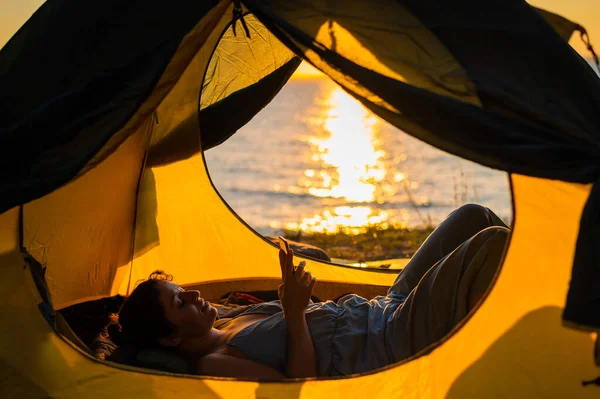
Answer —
296 290
294 294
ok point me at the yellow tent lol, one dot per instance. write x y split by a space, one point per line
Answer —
108 105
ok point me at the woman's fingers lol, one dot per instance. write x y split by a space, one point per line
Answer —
282 263
302 275
312 283
300 271
306 278
289 265
286 262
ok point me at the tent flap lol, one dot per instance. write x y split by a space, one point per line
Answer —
561 25
47 135
557 140
221 120
217 124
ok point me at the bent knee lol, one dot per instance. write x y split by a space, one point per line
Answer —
477 216
473 210
495 236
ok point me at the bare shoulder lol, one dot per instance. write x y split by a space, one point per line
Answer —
230 351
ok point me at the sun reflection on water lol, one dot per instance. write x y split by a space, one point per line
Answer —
352 220
348 165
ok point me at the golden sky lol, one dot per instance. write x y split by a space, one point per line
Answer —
13 13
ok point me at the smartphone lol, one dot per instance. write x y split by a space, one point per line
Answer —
283 244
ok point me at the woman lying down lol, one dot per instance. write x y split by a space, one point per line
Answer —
294 338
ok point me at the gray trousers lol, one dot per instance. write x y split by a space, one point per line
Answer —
455 264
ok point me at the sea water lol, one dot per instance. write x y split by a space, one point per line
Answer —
315 159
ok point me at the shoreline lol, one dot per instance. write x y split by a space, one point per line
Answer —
375 244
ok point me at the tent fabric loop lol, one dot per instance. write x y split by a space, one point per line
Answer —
595 381
238 14
585 38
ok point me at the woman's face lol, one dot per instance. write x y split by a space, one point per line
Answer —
192 316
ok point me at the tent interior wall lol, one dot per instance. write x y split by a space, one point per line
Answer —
137 195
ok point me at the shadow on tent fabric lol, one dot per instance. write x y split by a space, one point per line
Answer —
12 380
146 229
528 346
288 391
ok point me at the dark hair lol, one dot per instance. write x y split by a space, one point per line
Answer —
141 321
